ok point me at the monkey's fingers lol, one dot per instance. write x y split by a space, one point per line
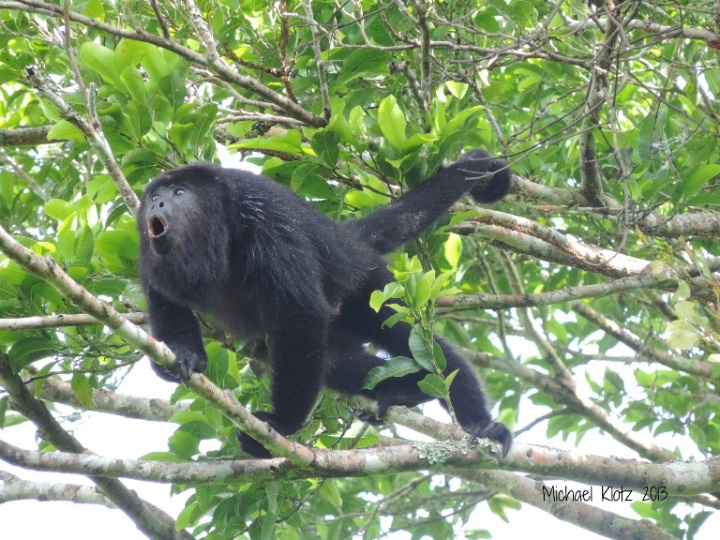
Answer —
497 432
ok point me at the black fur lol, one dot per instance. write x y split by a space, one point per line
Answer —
264 262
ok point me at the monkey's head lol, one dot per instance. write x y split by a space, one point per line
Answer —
174 208
184 230
166 206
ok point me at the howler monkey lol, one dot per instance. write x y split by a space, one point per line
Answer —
264 262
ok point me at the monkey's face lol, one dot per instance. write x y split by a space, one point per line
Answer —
167 211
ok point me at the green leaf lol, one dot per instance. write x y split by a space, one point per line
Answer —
160 456
173 88
311 185
420 351
135 84
457 89
82 389
391 290
363 62
159 63
201 429
682 335
203 120
418 140
184 444
188 516
422 289
486 20
403 314
325 145
698 178
339 124
137 157
84 247
453 249
524 13
377 299
101 60
434 386
459 120
4 402
686 310
682 292
357 121
185 417
267 530
450 378
218 363
57 209
398 366
290 143
392 122
27 350
65 131
438 285
330 491
94 10
117 245
130 53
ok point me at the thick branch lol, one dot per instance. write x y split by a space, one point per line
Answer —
666 32
159 410
28 136
591 518
13 488
678 477
506 301
58 321
203 30
702 224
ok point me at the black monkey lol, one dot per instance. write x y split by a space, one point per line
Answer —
264 262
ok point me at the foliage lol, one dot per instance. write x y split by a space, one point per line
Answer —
607 112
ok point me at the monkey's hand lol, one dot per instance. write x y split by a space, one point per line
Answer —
492 175
254 448
187 362
494 431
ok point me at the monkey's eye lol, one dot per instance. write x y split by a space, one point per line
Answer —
179 192
154 198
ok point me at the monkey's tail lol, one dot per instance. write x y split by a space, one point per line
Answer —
408 216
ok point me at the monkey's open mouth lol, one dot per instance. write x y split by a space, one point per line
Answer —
157 226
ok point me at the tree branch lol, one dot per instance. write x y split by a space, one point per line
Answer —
26 136
694 366
61 320
13 488
677 477
92 132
